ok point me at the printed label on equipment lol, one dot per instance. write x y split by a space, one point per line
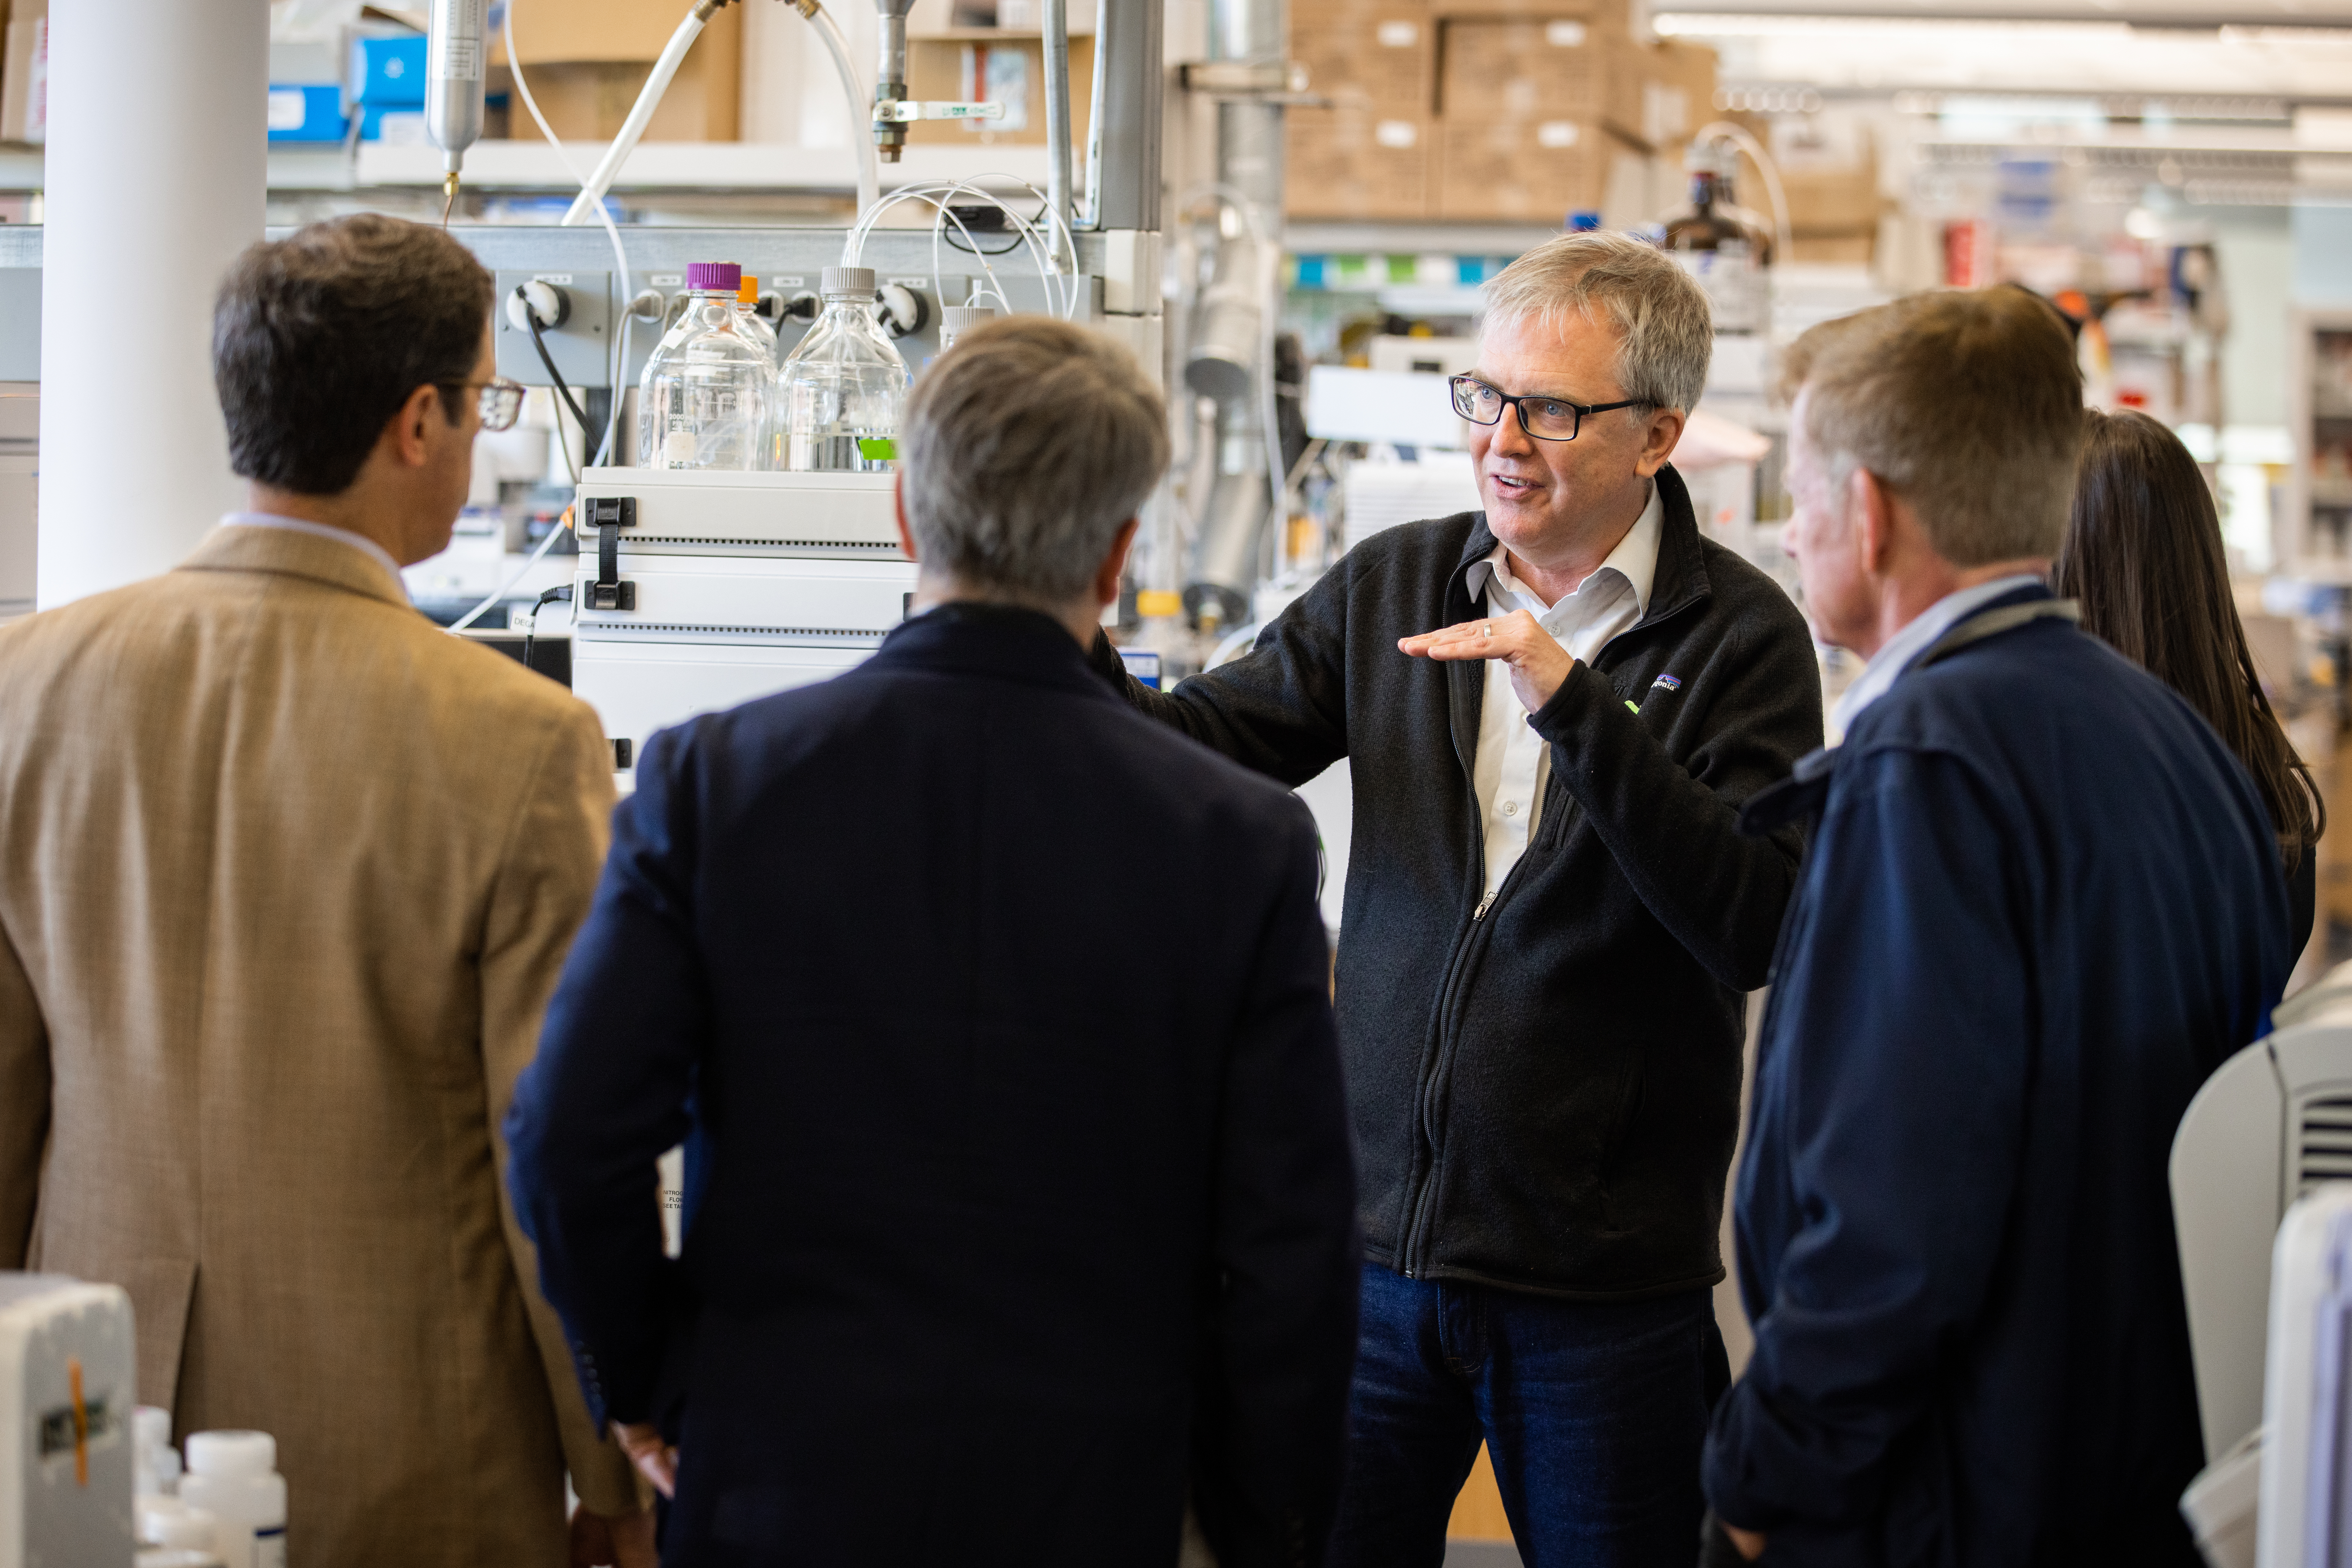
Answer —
550 277
667 279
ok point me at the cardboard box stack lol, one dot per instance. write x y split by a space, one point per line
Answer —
1482 110
1370 155
1829 172
25 76
587 60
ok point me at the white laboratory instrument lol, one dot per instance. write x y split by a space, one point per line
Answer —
2306 1515
67 1376
697 590
2271 1124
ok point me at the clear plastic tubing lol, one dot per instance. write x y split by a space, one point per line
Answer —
840 396
703 403
747 300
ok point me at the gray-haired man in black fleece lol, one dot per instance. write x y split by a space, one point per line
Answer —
1554 709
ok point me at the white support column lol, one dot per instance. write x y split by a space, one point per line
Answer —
156 170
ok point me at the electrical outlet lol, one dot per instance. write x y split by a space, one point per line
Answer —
580 347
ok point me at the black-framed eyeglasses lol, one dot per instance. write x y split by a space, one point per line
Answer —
1545 418
500 404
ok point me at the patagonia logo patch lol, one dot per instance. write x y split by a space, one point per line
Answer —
1669 682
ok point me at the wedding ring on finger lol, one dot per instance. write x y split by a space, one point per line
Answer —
1486 630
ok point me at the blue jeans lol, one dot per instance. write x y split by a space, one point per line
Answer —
1593 1413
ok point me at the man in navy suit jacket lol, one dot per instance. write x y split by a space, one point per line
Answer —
996 1019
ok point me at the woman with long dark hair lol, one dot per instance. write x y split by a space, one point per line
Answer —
2143 555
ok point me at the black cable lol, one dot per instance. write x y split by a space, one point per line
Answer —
538 342
956 244
530 633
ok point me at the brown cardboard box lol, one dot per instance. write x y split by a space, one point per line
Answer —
1827 201
937 71
1328 16
580 31
1833 249
1356 164
585 77
25 73
1386 60
1612 17
1550 68
586 102
1521 170
1677 93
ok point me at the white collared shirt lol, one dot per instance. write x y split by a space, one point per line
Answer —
359 541
1513 765
1897 653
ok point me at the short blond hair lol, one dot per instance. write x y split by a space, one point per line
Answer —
1665 329
1969 406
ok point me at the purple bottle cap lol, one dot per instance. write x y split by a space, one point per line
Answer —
713 276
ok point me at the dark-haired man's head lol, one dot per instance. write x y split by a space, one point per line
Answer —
349 359
1932 444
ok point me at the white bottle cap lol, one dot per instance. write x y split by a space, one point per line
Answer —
232 1453
958 319
846 283
175 1557
151 1425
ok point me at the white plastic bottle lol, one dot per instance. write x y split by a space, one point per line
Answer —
703 401
840 394
173 1535
234 1477
154 1463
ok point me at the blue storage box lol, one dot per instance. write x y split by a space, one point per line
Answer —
307 111
388 73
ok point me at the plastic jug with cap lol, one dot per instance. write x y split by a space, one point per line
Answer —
840 395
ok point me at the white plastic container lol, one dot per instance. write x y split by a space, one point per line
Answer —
841 393
168 1522
154 1463
175 1557
703 401
234 1477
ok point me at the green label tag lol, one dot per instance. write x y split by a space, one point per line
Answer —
877 450
1632 707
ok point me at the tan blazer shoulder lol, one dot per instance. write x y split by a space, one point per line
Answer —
287 875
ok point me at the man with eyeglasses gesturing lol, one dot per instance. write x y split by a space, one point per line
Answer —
287 874
1553 711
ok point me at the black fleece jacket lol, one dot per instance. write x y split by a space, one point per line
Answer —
1544 1097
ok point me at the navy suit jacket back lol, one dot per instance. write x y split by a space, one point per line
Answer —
1021 1196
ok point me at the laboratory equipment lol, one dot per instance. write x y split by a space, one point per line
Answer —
955 320
840 394
2271 1124
456 56
703 401
699 591
2305 1517
155 1464
755 327
1721 244
67 1389
233 1476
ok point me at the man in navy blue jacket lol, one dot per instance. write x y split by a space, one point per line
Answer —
2042 904
1020 1199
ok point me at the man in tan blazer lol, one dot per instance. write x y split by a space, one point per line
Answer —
286 877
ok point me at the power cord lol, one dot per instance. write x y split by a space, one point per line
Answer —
562 390
558 596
